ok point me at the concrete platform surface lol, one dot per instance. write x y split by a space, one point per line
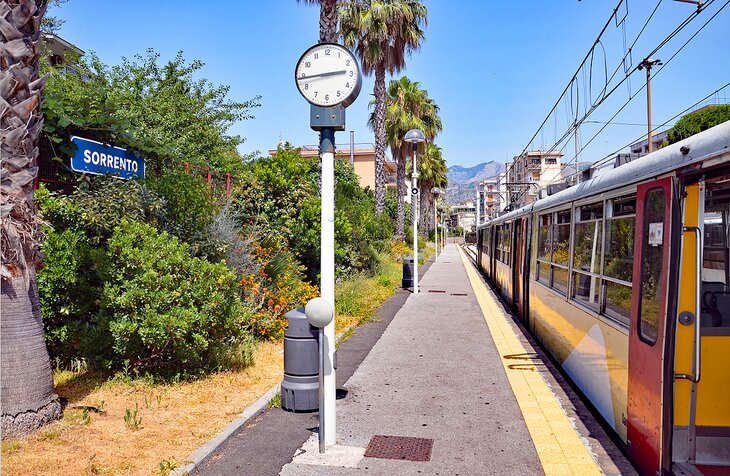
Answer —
443 370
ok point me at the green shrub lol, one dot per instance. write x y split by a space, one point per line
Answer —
166 310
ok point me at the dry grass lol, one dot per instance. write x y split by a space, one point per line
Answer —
358 299
175 421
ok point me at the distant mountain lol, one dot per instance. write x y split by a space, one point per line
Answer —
463 180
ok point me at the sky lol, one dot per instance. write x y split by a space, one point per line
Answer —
495 68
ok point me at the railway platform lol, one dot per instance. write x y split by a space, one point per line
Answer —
449 385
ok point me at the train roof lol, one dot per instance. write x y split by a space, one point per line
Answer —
709 144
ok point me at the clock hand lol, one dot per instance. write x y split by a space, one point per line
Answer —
322 75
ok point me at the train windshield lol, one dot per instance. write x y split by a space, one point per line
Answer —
715 269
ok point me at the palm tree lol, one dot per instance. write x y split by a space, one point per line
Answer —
408 107
27 396
432 173
381 33
327 19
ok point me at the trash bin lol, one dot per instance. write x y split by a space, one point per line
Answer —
407 273
300 387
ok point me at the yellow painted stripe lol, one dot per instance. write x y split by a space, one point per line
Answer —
558 445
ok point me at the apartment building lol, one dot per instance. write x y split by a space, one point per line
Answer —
530 172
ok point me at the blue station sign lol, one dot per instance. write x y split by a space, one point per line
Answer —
93 157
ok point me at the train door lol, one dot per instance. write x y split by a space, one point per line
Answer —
647 326
518 267
701 426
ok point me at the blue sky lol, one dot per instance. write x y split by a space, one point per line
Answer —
494 68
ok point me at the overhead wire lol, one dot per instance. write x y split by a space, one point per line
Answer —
569 132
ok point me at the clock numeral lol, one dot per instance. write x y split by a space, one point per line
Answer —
352 73
338 54
347 63
316 55
315 93
301 75
347 85
307 64
326 97
306 86
327 52
338 94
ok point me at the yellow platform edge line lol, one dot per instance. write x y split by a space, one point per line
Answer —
542 415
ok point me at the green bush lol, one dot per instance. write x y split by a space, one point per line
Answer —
166 310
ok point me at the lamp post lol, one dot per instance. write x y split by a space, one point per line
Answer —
647 64
415 136
435 191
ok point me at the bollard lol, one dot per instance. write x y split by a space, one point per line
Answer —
407 281
300 387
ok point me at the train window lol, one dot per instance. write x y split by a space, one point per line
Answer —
587 255
593 211
587 246
560 279
561 238
543 249
618 258
715 253
586 289
618 301
651 265
543 238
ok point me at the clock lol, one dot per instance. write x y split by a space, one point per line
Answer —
328 75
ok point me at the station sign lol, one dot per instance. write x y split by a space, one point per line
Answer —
93 157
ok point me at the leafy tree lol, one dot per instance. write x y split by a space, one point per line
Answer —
382 32
27 397
408 107
698 121
432 173
158 110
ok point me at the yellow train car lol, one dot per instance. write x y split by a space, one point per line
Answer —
625 280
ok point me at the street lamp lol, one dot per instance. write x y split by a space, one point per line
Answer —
647 64
435 191
414 136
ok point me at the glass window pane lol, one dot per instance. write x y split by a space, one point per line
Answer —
618 301
561 237
623 206
619 251
586 289
560 279
543 238
651 265
543 272
593 211
586 246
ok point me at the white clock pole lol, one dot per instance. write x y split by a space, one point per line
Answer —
327 277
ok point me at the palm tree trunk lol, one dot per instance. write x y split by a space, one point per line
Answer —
401 189
328 21
26 383
380 99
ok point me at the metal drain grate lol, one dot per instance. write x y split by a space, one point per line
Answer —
399 447
459 294
436 291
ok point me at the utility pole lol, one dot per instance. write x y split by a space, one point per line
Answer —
647 64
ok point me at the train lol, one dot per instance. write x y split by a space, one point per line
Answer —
624 279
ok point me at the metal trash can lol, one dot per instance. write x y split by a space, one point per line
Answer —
407 281
300 387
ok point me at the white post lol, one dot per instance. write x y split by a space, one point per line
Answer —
327 283
415 207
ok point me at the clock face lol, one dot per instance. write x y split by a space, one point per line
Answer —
327 74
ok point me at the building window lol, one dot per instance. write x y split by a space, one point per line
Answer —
551 161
